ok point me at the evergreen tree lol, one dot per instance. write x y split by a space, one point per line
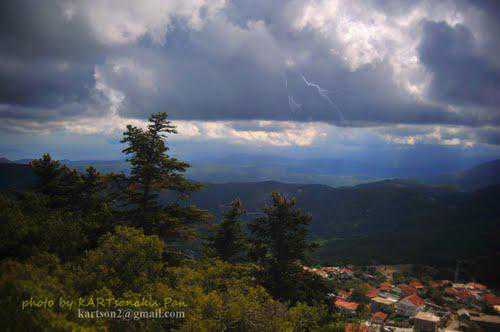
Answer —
229 241
48 174
154 171
279 244
69 189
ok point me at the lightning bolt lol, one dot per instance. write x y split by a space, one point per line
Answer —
324 94
294 106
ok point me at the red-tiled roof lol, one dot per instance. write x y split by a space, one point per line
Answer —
372 293
475 285
439 283
416 284
339 303
385 286
345 294
434 284
407 289
415 299
492 299
461 294
379 315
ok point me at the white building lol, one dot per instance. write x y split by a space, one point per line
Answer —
410 305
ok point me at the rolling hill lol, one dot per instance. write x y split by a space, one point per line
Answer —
390 221
480 176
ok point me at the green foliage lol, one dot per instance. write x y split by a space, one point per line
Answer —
306 318
215 296
436 295
153 170
363 311
279 244
124 260
359 294
49 173
229 242
28 225
83 237
401 277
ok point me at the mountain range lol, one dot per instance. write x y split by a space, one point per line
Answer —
387 221
464 174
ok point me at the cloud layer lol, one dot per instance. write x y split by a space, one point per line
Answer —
277 73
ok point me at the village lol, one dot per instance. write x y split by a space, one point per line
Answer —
391 298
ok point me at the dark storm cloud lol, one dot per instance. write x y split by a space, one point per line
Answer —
46 60
203 77
234 67
461 75
490 24
44 83
489 136
33 29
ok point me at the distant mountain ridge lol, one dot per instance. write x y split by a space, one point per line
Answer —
480 176
336 173
476 177
390 221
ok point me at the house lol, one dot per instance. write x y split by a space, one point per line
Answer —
487 322
355 327
385 287
396 292
458 286
463 314
379 317
491 299
407 290
332 271
367 277
460 294
416 284
426 322
346 306
346 273
372 293
434 284
475 286
410 305
382 304
389 295
344 294
316 271
439 283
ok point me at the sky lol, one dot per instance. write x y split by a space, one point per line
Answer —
299 78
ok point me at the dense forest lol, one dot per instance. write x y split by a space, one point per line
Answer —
102 241
385 222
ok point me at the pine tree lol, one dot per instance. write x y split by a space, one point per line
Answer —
229 242
279 244
48 174
68 189
153 171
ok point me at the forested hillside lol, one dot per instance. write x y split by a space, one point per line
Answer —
73 243
382 222
426 223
